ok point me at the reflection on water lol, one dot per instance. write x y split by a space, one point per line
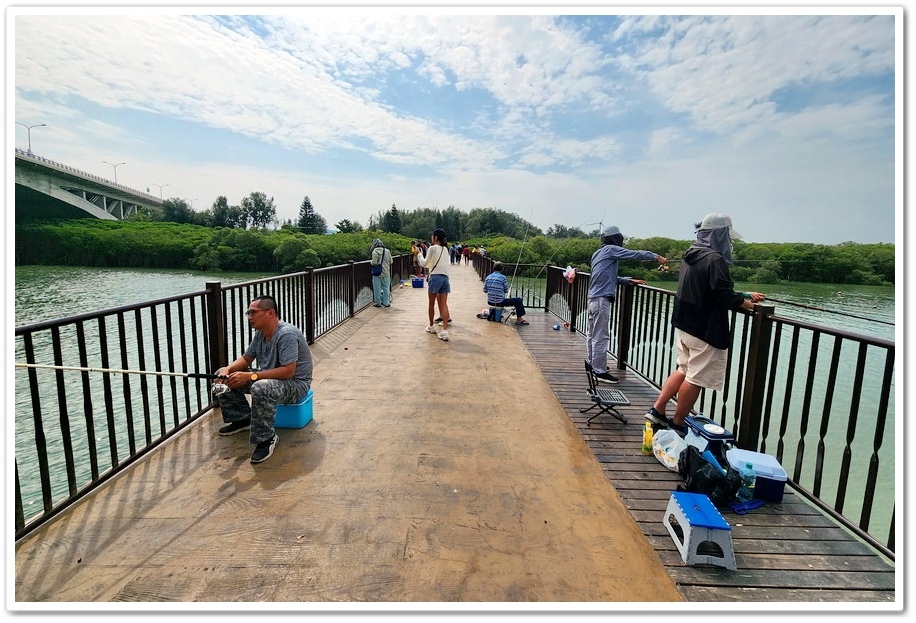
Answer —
49 292
869 310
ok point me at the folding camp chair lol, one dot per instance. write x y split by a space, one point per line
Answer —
604 398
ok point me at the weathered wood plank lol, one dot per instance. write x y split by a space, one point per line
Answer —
789 595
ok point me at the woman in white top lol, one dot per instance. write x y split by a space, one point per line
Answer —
436 259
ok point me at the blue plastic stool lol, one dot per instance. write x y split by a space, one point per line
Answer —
295 415
699 522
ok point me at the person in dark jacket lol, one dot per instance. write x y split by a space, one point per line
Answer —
705 294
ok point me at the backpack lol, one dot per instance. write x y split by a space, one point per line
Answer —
701 476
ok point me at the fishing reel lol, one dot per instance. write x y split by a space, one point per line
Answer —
219 389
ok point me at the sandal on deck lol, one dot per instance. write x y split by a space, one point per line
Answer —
522 321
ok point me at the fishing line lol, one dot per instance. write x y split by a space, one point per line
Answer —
831 311
560 248
195 375
820 309
520 249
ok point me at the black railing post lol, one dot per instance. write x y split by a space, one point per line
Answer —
311 313
351 291
548 290
624 324
216 327
752 401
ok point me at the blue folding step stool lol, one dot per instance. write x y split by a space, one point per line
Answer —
700 523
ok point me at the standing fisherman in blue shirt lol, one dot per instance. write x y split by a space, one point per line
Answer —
601 293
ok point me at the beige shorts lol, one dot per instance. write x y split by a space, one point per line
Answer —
702 364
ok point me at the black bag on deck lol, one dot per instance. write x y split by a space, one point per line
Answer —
701 476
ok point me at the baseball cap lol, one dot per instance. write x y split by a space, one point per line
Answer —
717 220
610 230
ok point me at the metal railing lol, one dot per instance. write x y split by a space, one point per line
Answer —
100 390
784 390
820 400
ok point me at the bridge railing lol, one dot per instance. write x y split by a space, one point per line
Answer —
802 392
100 390
820 400
21 153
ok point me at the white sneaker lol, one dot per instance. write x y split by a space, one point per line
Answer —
431 328
443 335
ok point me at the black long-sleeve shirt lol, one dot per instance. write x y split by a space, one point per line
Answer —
705 293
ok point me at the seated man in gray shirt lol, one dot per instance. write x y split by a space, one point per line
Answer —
284 376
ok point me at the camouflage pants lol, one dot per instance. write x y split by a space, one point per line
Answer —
266 394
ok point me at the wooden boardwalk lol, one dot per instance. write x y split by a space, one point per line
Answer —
786 552
436 473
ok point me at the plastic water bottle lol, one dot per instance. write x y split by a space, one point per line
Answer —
748 478
647 439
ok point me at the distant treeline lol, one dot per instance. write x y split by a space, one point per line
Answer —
160 244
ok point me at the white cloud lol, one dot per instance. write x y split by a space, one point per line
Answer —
654 115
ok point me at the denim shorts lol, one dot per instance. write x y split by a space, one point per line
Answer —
438 284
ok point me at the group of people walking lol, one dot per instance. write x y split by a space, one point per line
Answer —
458 251
705 294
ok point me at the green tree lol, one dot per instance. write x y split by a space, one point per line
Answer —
295 254
454 222
224 215
258 211
391 220
490 222
310 222
419 223
346 226
176 211
562 231
234 249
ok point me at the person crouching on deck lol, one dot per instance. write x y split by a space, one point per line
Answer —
284 376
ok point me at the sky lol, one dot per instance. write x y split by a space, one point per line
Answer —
790 121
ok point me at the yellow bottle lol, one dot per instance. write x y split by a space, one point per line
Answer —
647 439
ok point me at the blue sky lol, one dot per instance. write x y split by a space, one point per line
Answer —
787 122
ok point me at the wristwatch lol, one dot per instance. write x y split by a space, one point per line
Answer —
254 376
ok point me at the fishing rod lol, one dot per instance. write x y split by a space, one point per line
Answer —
520 249
194 375
560 248
813 307
830 311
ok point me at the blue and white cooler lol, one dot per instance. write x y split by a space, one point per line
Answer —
704 434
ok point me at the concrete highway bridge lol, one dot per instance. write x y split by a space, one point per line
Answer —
48 189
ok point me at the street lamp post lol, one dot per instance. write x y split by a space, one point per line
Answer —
115 168
161 186
29 131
